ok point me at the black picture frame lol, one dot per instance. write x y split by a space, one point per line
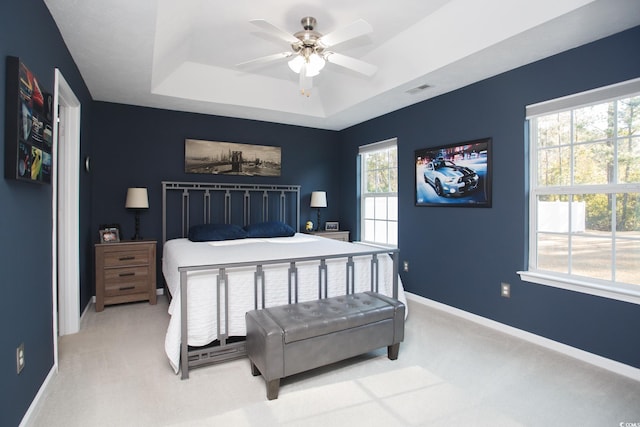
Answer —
110 227
332 226
28 125
109 235
231 158
454 175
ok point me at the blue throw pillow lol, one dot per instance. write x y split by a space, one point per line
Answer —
269 229
216 232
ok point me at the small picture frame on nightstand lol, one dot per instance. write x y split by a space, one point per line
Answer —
331 226
109 235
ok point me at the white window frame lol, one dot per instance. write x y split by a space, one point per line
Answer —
608 289
368 149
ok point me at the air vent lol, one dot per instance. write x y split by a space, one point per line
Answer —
418 89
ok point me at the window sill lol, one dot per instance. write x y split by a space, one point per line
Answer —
618 291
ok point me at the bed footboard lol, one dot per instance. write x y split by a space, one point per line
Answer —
229 348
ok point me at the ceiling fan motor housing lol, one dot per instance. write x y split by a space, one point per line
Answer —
308 22
309 38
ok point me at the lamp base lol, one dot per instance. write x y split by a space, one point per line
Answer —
137 236
318 223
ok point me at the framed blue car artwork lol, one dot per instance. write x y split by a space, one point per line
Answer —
454 175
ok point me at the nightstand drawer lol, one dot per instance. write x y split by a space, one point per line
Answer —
125 275
123 288
126 258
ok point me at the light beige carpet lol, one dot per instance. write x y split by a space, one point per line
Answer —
450 372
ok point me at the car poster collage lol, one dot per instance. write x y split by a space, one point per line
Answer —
35 129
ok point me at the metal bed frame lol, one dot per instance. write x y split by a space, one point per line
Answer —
286 195
226 348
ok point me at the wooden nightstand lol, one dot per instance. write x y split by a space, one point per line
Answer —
125 272
335 235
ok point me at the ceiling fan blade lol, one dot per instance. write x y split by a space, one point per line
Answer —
275 31
355 29
264 59
351 63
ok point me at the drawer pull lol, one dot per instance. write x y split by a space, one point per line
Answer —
126 288
127 274
126 258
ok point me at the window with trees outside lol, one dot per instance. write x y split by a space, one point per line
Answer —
584 231
379 192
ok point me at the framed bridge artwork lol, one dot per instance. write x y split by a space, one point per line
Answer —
230 158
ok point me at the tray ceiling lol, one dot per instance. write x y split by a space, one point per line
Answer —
181 55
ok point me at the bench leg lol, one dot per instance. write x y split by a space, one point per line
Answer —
392 351
273 387
254 370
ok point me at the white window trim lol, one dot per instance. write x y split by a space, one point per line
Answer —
590 97
366 149
591 286
620 291
377 146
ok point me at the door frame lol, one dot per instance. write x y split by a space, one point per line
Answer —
65 213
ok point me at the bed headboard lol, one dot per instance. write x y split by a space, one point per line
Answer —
192 203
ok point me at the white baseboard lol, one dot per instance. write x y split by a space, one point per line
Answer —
34 403
86 308
584 356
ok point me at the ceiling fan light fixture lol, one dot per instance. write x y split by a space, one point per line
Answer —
314 64
296 64
309 53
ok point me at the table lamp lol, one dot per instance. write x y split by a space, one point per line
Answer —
137 199
318 200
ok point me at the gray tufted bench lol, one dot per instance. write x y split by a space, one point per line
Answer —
293 338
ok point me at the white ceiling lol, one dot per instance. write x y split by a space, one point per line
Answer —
181 55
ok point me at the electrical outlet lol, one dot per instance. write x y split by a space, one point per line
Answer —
20 358
405 266
505 290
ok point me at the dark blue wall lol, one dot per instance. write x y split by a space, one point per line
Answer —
28 31
459 256
134 146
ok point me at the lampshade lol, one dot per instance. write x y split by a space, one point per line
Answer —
319 199
137 198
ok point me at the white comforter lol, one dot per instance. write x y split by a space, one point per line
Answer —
202 317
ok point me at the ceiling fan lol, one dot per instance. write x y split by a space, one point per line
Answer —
309 49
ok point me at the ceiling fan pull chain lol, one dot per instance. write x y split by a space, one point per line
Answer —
306 82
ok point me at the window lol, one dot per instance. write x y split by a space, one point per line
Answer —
379 192
584 231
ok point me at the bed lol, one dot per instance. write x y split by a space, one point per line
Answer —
213 283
